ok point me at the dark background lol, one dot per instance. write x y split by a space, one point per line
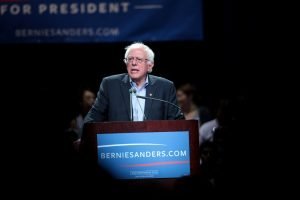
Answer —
44 80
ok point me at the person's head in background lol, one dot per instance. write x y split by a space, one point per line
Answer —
190 102
186 97
87 100
139 60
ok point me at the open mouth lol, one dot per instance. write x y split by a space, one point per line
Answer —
134 70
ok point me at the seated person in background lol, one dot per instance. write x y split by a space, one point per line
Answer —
207 130
224 116
222 145
87 99
187 100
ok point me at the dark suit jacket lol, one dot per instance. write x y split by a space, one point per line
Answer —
113 100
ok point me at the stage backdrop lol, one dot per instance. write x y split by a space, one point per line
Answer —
100 20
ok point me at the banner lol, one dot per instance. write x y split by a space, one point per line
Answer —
145 154
36 21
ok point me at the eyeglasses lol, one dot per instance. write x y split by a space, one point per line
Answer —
131 59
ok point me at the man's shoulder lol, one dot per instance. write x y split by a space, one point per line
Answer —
115 77
160 80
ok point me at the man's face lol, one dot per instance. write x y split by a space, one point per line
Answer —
88 99
184 100
181 98
138 65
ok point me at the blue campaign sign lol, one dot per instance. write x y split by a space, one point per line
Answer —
100 20
145 154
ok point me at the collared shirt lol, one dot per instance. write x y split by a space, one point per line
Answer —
138 104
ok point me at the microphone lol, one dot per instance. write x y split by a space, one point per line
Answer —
133 90
130 95
156 99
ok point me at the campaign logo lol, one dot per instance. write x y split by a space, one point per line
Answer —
145 154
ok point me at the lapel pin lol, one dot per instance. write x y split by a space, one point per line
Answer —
150 94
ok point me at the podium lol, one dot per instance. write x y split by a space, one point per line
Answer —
148 150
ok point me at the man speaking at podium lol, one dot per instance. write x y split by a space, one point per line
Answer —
136 95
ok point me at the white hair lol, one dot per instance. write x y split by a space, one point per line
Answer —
139 45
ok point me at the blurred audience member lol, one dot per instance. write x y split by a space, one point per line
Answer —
225 116
222 144
207 130
87 99
188 100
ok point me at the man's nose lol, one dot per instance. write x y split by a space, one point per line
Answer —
134 62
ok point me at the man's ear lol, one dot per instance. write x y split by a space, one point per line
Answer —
150 66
